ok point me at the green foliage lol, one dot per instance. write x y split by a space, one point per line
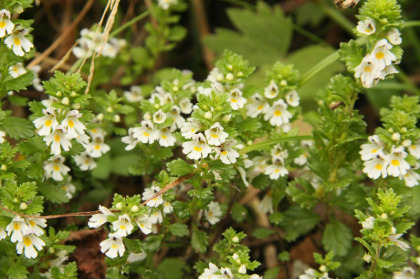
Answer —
337 237
298 221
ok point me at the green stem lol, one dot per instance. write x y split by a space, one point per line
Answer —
406 80
333 57
308 34
266 143
411 23
129 23
337 17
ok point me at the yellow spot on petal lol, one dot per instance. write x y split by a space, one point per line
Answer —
164 137
56 168
146 134
97 147
57 138
86 162
260 107
16 41
378 166
395 162
367 69
210 213
374 150
123 227
192 130
276 170
2 24
27 241
31 223
198 149
413 146
142 225
94 130
114 246
48 122
214 136
224 153
379 55
277 113
233 100
71 124
16 226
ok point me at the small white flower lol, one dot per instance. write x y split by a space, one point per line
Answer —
368 223
145 133
226 272
414 150
236 100
213 213
376 167
55 168
302 159
3 233
395 238
197 148
366 27
36 83
292 98
167 207
17 228
272 90
122 226
18 43
371 150
61 258
411 178
210 273
72 125
266 204
277 169
70 189
130 140
136 257
99 219
257 106
35 225
46 123
278 151
156 217
175 114
185 105
397 165
144 224
2 135
406 273
6 25
30 242
113 246
16 70
134 95
149 193
381 55
84 161
97 147
310 273
165 137
368 73
165 4
159 117
190 128
226 153
278 113
394 36
215 134
58 139
242 269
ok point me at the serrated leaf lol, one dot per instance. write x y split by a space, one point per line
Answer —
17 128
298 221
261 233
133 245
199 241
337 238
179 167
239 212
19 83
17 270
178 229
53 193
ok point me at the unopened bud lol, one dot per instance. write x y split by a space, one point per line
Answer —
230 67
117 118
109 109
403 130
175 88
283 82
384 216
3 167
367 258
15 200
134 208
147 116
229 76
59 94
208 115
51 250
226 118
235 239
240 74
119 206
322 268
100 117
76 106
157 106
406 143
23 206
396 137
65 101
73 94
219 77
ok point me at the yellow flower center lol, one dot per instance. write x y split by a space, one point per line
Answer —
56 168
123 227
378 166
146 134
380 55
214 136
114 246
367 69
192 130
233 100
224 153
71 124
277 113
86 162
16 226
374 150
57 138
97 147
260 107
2 24
16 41
276 170
94 130
31 223
164 137
27 241
198 149
395 162
48 122
142 225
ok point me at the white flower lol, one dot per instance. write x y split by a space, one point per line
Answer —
144 223
278 113
36 83
167 207
3 233
99 219
368 73
414 150
35 224
272 90
122 226
213 213
70 189
46 122
278 151
302 159
226 272
55 168
368 223
215 75
395 238
113 246
242 269
197 148
310 273
84 161
186 105
190 128
17 41
165 4
175 114
17 228
165 137
277 169
381 54
146 133
30 242
72 125
97 147
61 258
226 153
411 178
236 100
209 273
6 25
159 117
135 257
57 139
376 167
215 134
149 193
257 106
366 27
397 165
130 140
292 98
2 135
134 95
371 150
156 217
16 70
266 204
255 276
406 273
394 36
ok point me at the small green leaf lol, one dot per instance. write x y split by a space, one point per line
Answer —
178 229
337 237
299 221
199 241
172 268
179 167
17 128
261 233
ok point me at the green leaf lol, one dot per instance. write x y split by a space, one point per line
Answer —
298 221
199 241
172 268
239 212
272 273
337 237
133 245
178 229
152 243
17 270
179 167
261 233
19 83
17 128
52 193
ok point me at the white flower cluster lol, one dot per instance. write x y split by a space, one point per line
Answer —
25 232
276 113
113 246
224 273
379 63
90 42
276 167
17 40
153 127
19 69
380 163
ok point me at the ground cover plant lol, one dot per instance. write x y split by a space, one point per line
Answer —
135 143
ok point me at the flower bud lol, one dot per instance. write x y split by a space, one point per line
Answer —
147 116
23 206
393 230
367 258
229 76
134 208
18 9
15 200
242 269
59 94
283 82
100 117
226 118
175 88
109 109
403 130
235 239
219 77
240 74
384 216
323 268
208 115
3 167
157 106
76 106
117 118
119 206
73 94
396 137
65 101
230 67
406 143
51 250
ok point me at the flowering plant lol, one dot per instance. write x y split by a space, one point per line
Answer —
160 174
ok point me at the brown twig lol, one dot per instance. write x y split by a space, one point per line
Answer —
63 35
90 213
